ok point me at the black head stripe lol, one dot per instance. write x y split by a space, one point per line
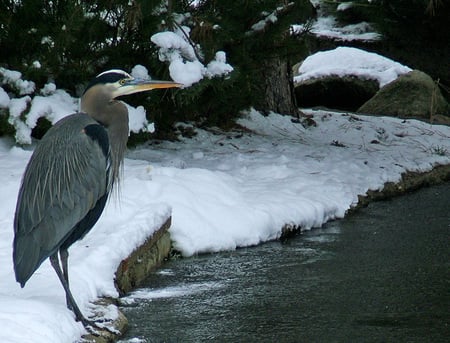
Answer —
107 77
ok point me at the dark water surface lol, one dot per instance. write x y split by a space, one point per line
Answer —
380 275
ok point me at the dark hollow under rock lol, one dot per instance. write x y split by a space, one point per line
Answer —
342 93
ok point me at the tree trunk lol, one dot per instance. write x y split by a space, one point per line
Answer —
277 87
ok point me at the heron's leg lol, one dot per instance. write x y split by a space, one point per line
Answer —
78 315
64 255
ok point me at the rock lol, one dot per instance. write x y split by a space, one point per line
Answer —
133 270
112 329
412 95
346 93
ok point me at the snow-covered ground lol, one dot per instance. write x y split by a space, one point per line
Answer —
223 191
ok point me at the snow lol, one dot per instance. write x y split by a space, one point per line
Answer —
14 78
137 120
328 27
184 65
140 72
223 190
4 98
344 61
343 6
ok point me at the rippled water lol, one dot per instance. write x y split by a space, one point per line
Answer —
380 275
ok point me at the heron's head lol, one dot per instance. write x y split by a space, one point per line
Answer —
116 82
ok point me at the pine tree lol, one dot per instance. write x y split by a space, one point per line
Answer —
256 38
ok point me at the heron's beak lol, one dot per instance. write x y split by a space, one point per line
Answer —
139 85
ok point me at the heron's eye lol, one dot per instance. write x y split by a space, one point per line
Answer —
122 82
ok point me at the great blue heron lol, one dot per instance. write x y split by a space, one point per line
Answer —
70 175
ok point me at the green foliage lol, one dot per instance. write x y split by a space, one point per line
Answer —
421 19
75 40
250 32
6 129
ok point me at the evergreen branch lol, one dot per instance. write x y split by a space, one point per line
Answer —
189 40
269 19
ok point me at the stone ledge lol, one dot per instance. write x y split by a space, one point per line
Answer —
131 272
409 182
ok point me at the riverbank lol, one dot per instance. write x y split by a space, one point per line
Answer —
150 256
134 270
380 274
410 181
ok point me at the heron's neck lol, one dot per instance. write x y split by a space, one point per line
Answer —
113 115
118 135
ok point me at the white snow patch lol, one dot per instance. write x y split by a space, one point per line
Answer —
140 72
344 61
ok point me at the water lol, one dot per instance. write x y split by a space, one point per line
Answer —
380 275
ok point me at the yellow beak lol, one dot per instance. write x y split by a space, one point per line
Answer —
138 85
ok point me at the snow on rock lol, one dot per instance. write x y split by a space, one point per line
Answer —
344 61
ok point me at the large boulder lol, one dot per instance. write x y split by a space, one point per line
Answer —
343 78
411 95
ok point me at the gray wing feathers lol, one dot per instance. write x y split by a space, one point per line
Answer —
62 183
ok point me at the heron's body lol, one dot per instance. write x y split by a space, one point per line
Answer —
70 175
53 213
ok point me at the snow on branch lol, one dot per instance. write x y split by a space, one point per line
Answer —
269 19
23 104
185 65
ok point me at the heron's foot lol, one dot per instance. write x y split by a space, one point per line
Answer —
90 325
97 327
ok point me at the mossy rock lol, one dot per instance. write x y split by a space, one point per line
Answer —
412 95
